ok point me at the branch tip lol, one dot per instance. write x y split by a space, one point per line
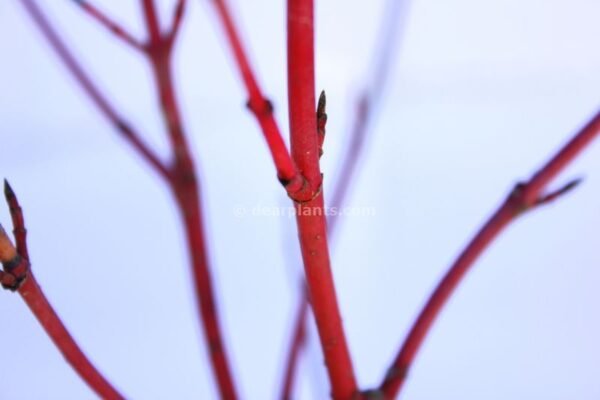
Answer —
8 190
559 192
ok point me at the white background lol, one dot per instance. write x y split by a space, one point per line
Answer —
482 93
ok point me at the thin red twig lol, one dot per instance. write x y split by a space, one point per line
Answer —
119 32
180 175
524 196
90 88
262 108
177 18
305 145
18 276
185 186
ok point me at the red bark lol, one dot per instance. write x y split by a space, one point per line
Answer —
311 216
185 186
91 89
524 197
18 276
180 175
262 108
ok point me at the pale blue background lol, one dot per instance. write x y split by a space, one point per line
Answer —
481 95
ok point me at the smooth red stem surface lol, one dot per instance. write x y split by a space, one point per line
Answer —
296 345
188 201
523 197
310 216
152 23
35 299
366 103
258 104
109 24
569 152
185 186
91 89
180 175
177 18
301 90
39 305
340 192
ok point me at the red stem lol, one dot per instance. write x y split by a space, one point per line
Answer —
366 103
17 267
180 175
260 106
90 88
152 24
177 18
310 216
185 186
524 196
189 202
35 299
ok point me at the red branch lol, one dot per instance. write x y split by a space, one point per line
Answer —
524 196
90 88
180 175
109 24
310 216
262 108
366 103
18 276
185 186
177 18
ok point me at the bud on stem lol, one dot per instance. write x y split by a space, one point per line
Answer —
8 252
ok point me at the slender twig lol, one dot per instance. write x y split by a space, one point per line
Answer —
262 108
177 18
524 196
90 88
185 187
180 175
305 144
17 276
119 32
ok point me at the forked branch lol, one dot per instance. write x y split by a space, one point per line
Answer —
305 146
17 276
91 89
180 175
388 41
119 32
524 196
287 171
